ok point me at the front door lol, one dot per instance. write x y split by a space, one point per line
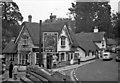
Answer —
49 61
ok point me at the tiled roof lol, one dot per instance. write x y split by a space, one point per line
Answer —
73 37
93 36
81 42
81 39
10 48
33 29
87 45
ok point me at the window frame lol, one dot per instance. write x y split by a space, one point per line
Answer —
23 59
63 41
37 59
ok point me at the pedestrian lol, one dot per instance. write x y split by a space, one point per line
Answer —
10 70
42 65
15 71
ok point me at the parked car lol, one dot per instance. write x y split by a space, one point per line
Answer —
118 56
106 56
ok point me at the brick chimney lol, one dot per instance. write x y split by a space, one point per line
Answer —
30 18
52 17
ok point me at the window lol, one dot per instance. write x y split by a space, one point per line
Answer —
25 39
93 53
23 59
62 56
37 58
12 57
103 43
71 55
63 41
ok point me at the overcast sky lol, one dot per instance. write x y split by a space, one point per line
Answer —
41 9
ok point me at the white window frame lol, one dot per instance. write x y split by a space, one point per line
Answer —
22 59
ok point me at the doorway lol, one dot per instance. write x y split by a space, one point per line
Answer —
49 61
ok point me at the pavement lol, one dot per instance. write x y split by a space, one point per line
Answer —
69 67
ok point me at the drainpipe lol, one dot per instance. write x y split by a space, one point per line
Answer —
40 42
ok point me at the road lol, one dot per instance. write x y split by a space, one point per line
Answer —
98 71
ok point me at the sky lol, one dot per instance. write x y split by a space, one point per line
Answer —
41 9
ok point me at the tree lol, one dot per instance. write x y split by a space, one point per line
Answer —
117 27
11 17
90 14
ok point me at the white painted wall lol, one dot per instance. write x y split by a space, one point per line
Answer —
91 56
67 46
100 44
82 55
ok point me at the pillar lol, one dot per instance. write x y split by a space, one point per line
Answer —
18 58
45 60
59 56
65 56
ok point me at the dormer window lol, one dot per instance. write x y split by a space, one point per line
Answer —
63 41
25 39
103 43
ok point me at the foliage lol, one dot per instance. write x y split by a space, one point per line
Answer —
90 14
117 27
11 17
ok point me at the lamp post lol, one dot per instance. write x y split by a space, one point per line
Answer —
40 46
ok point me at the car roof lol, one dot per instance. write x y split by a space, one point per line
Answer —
106 53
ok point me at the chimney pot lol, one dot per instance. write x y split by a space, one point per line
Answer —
30 18
13 39
96 29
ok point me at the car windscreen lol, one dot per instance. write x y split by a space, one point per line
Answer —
105 54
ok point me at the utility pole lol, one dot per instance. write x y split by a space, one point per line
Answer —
40 44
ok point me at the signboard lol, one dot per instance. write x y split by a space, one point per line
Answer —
50 41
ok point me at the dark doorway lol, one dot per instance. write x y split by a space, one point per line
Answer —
49 61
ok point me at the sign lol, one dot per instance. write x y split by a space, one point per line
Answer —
50 41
